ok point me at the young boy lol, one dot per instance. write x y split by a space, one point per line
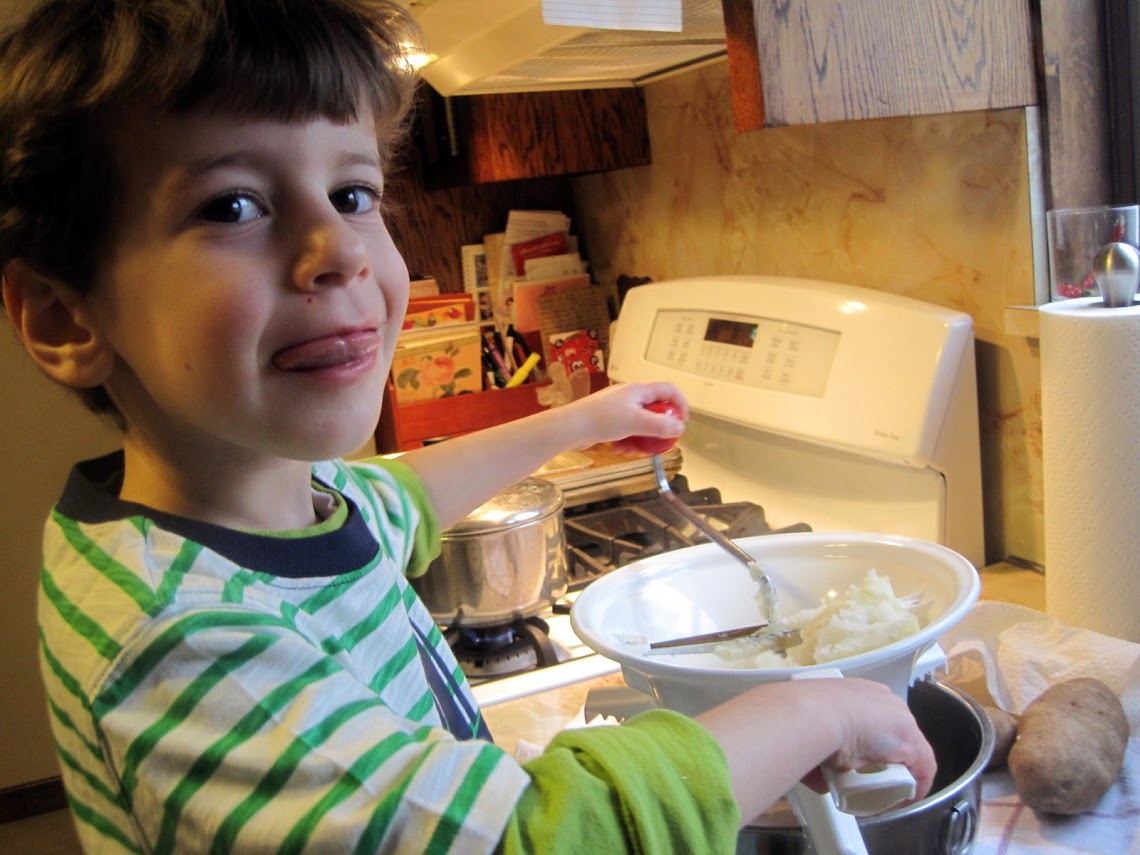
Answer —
191 237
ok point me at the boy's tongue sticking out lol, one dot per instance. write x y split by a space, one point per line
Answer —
338 349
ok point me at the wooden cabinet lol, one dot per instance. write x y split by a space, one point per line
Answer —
477 139
795 62
811 61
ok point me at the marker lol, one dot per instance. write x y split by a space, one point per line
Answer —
524 370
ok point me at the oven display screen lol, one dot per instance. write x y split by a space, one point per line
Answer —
724 331
763 353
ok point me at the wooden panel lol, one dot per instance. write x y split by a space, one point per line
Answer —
600 129
827 60
1075 117
507 136
743 65
534 134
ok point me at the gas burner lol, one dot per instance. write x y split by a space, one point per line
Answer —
498 651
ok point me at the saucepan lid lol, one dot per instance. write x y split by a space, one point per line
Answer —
528 501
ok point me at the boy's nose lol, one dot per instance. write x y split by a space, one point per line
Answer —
331 254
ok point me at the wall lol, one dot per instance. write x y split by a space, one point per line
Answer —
935 208
43 430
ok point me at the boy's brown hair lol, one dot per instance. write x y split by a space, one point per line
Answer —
74 66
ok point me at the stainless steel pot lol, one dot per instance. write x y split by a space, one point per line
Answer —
943 823
503 562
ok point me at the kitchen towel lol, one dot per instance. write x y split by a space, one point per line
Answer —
1090 421
1008 655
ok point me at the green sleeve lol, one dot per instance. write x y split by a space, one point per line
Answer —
426 544
657 784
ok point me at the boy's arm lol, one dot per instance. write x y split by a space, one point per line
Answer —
658 783
665 783
463 473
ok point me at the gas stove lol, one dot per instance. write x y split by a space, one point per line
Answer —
812 403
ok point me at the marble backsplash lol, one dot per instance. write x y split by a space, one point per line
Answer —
936 208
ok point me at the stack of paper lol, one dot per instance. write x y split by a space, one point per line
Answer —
538 257
534 290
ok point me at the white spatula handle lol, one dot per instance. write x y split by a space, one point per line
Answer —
864 792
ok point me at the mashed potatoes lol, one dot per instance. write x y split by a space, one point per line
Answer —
862 618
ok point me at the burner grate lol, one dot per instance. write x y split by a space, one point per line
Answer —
605 536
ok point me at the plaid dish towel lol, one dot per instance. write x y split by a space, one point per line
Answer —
1004 656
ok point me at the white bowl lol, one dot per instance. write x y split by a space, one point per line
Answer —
702 589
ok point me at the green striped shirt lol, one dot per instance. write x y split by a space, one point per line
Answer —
219 691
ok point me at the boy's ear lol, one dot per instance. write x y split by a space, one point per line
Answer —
56 327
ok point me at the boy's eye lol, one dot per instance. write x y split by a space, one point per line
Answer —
357 199
233 208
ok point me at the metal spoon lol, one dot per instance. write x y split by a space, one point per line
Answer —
1116 267
771 608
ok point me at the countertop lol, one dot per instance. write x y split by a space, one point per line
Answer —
538 717
1008 583
1006 826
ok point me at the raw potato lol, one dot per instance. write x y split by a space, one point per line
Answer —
1005 732
1070 746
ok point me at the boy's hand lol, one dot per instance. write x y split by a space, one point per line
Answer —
652 444
877 727
789 728
636 418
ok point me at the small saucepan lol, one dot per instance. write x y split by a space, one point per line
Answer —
504 562
943 823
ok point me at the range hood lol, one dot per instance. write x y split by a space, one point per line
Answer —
489 46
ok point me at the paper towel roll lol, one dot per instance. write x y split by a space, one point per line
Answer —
1090 421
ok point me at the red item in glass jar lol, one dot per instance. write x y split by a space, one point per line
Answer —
654 444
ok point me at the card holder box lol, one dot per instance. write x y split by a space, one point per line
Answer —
403 427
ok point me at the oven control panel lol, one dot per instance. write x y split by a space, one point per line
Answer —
767 353
835 364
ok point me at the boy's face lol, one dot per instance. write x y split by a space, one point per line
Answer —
251 294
